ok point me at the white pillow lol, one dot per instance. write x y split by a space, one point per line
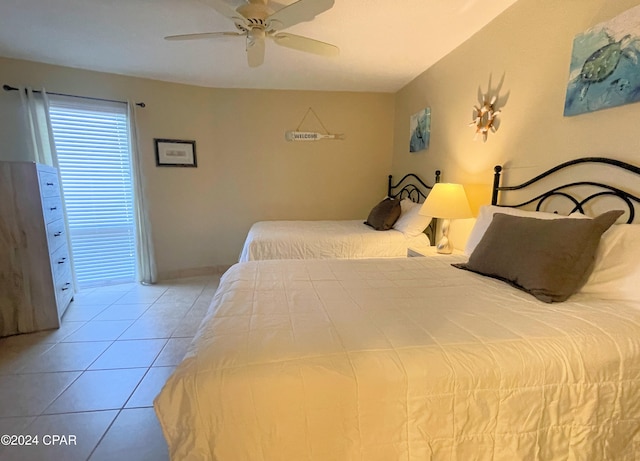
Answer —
411 222
616 272
485 216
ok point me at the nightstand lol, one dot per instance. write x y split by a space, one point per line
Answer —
422 252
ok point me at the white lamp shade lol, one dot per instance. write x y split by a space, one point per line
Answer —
446 201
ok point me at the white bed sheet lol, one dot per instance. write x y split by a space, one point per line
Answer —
403 359
325 240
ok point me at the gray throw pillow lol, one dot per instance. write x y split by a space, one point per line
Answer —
384 215
549 259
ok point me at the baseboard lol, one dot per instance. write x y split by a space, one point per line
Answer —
193 272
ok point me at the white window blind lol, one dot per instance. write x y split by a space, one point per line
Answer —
92 144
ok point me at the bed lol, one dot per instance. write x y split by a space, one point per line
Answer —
414 359
345 239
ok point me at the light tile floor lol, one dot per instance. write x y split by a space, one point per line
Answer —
94 379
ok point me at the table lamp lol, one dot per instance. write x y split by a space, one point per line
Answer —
447 201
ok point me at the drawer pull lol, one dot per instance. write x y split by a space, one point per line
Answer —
49 184
64 288
53 208
57 234
61 260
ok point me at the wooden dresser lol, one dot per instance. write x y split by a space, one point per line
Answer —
36 283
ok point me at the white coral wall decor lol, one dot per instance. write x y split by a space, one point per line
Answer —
483 119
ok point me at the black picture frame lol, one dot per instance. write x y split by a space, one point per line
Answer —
175 152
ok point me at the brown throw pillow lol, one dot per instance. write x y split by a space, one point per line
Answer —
549 259
384 215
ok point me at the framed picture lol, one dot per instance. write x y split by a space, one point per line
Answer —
420 130
605 69
174 152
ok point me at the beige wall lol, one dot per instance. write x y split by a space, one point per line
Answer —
246 170
525 54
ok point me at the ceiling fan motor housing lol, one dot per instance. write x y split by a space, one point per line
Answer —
255 11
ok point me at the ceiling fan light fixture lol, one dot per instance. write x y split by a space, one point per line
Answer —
256 33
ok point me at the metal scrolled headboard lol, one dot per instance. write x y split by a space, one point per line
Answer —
416 190
597 189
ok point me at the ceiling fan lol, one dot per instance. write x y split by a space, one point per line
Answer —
257 21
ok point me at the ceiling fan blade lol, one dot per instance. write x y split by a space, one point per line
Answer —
297 42
300 11
224 9
255 51
204 35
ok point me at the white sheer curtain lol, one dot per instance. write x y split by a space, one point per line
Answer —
41 143
147 272
42 148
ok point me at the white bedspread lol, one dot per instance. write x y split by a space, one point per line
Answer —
403 359
325 240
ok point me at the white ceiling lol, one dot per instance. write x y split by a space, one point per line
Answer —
384 44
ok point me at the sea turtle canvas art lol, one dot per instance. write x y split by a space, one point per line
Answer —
605 65
420 130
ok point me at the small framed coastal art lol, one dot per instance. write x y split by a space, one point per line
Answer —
420 130
175 152
605 65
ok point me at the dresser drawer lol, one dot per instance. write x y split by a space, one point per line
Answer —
49 186
64 291
60 262
56 235
52 209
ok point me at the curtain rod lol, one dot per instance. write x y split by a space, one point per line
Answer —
10 88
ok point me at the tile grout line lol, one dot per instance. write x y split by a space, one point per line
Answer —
104 435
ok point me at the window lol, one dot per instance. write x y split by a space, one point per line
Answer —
92 144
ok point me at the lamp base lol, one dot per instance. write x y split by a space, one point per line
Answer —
444 245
